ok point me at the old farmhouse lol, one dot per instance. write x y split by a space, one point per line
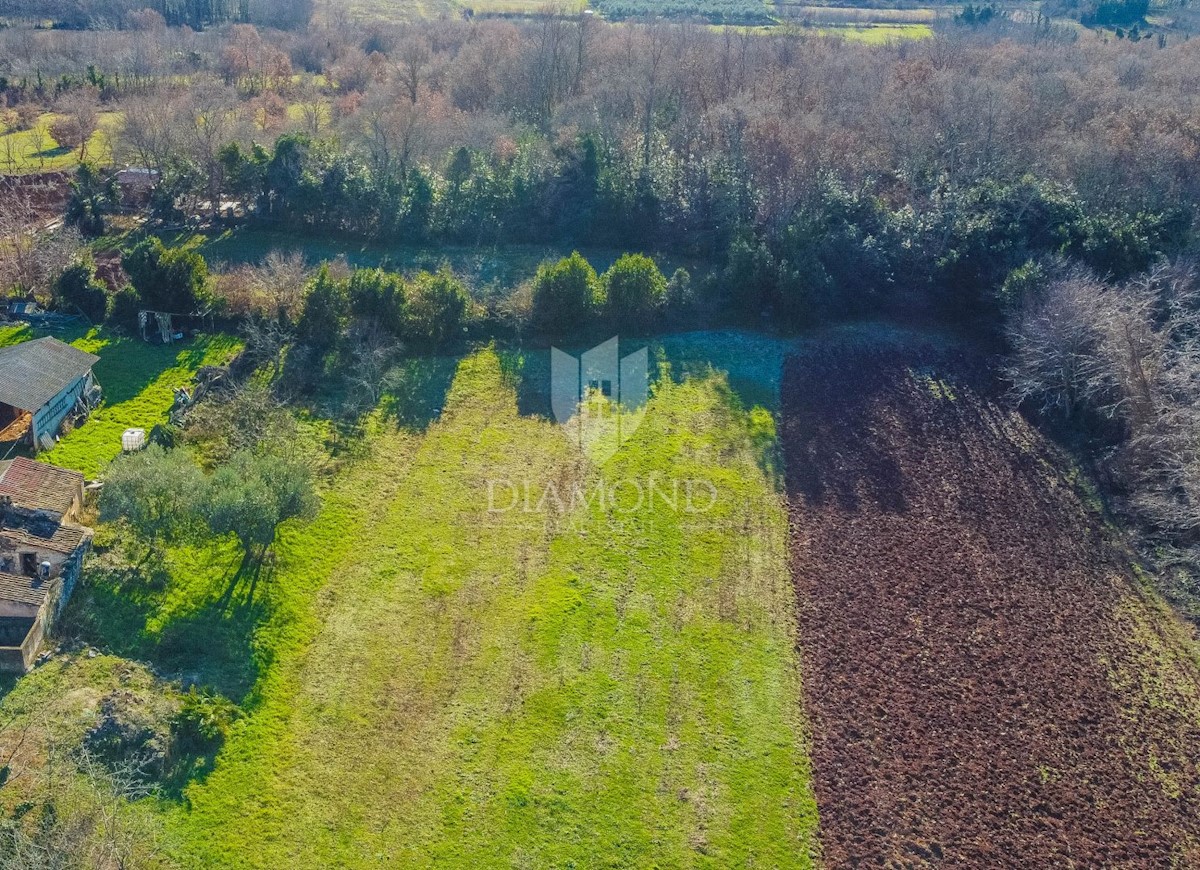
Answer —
42 383
41 554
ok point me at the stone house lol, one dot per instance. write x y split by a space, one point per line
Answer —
42 547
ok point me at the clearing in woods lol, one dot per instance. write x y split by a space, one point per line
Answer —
597 687
986 682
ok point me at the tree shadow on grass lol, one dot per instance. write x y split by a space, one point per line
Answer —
7 683
128 366
417 389
210 643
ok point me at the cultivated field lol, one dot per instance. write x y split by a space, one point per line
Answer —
987 683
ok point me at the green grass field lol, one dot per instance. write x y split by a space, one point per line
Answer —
449 685
35 150
427 681
138 380
878 34
14 335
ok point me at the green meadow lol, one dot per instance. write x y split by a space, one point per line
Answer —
595 686
34 150
434 672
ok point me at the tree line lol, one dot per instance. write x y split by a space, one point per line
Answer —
1115 367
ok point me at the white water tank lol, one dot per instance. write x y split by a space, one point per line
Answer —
133 439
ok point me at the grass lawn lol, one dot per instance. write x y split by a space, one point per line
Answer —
14 335
445 684
35 150
138 381
879 34
384 10
425 681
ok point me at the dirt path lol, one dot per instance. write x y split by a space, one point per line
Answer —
987 686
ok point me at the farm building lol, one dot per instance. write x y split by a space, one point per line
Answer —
42 383
136 184
41 554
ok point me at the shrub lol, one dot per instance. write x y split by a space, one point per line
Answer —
437 308
634 289
379 297
126 303
69 133
78 288
202 723
565 295
174 280
326 309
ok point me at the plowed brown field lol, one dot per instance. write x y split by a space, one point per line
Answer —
987 684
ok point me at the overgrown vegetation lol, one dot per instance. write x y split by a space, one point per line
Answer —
1116 364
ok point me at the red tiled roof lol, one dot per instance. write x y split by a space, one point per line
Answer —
64 540
38 486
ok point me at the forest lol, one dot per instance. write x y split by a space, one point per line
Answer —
831 179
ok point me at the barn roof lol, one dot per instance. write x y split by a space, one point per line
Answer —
36 486
34 372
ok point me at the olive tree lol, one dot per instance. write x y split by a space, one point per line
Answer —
155 494
253 494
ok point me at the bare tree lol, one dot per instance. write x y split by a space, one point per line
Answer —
373 352
31 258
78 120
413 62
1132 353
84 819
1057 339
314 108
